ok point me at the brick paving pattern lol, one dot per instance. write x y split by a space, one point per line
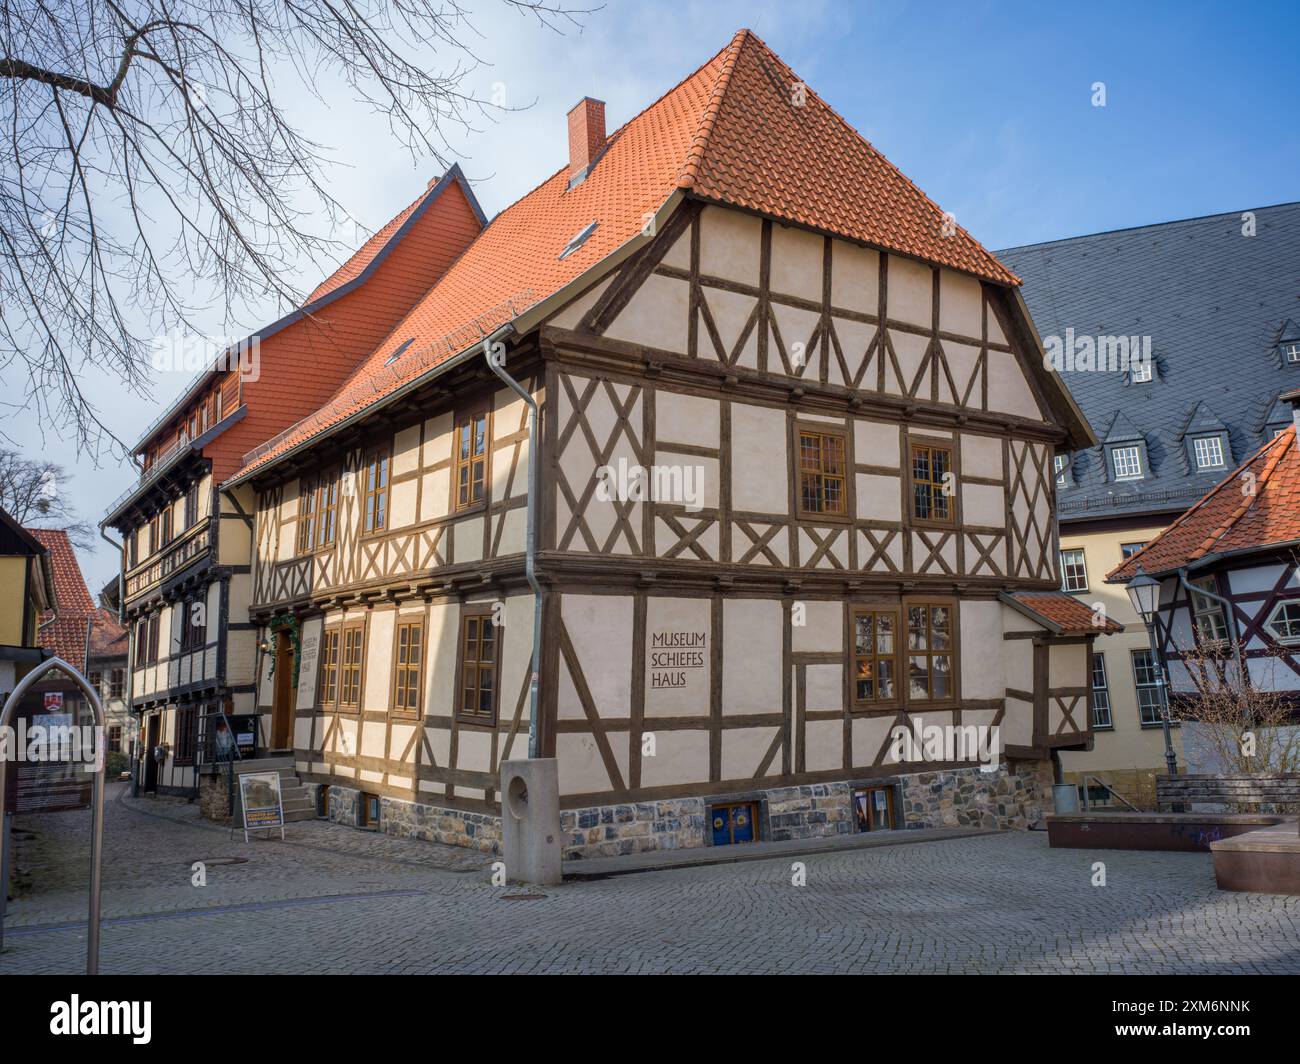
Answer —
332 899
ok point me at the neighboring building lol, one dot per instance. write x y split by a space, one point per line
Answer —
26 593
106 666
187 548
842 402
1218 307
1229 570
86 636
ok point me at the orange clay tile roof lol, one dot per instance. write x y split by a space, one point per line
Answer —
1064 612
1231 517
365 254
66 637
727 133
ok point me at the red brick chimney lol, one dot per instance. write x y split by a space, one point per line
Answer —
586 137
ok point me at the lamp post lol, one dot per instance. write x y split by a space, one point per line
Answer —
1144 593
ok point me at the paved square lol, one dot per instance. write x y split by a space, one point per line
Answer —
332 899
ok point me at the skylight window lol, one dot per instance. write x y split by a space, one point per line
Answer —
1141 371
577 242
1291 352
401 350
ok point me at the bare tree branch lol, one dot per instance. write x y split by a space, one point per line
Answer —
149 161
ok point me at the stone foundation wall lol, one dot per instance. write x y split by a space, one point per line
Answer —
345 805
968 798
214 797
615 830
1004 799
455 827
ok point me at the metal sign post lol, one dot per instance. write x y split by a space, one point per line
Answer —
96 801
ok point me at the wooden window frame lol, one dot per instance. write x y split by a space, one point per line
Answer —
140 657
841 437
931 446
191 506
327 506
480 615
467 420
376 458
154 623
166 532
327 671
187 734
116 682
894 611
349 671
307 515
402 687
953 652
1278 622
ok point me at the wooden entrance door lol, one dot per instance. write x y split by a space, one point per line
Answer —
152 733
284 697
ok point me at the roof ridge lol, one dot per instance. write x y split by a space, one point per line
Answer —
700 142
1037 245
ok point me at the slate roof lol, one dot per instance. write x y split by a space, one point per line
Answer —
1230 520
728 133
1216 304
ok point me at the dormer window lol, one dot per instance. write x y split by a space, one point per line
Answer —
1208 451
1291 352
1126 462
1141 371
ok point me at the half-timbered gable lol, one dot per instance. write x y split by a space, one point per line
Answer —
794 509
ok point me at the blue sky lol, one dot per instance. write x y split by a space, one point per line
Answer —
986 106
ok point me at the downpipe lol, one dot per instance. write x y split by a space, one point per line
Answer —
130 654
494 353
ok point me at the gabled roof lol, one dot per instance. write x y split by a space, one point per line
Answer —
352 274
16 539
1059 613
1122 429
63 630
69 585
728 133
1214 303
1231 518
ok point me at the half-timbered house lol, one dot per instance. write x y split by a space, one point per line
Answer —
794 505
187 549
1229 573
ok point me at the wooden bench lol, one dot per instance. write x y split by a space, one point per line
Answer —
1223 789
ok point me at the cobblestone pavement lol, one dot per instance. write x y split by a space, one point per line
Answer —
331 899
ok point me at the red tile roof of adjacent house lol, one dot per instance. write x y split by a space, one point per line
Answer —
728 133
108 639
65 637
1256 506
1063 613
364 255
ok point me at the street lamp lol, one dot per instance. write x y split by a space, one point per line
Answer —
1144 593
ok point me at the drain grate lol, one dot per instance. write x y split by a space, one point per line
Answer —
210 861
522 897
